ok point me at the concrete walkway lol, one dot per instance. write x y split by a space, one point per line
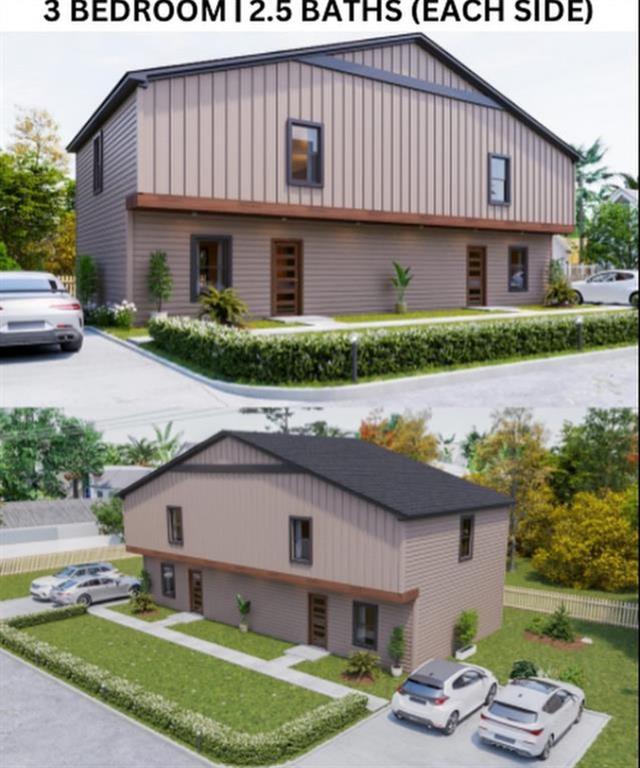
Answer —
279 668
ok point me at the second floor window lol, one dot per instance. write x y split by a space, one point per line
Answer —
518 270
174 525
98 163
466 537
304 153
300 550
499 180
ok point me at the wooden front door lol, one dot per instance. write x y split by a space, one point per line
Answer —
286 277
476 277
195 591
318 620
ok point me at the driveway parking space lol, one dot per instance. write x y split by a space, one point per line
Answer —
21 606
383 742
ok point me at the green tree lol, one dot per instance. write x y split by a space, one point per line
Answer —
591 174
612 236
7 264
109 516
86 279
597 454
37 135
630 181
141 452
160 281
166 444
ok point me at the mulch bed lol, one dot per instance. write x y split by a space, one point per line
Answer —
366 680
574 646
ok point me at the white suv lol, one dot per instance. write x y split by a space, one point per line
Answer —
35 308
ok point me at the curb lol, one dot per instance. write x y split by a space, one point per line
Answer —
354 392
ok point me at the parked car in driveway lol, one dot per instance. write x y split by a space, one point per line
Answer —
35 308
42 586
95 589
529 716
614 286
441 693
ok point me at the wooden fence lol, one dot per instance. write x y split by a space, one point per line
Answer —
53 560
69 282
599 610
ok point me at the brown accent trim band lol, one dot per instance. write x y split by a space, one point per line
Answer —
380 595
178 203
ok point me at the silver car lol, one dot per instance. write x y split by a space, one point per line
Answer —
41 587
35 308
95 589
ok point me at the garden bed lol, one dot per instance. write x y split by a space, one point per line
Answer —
333 668
157 614
563 645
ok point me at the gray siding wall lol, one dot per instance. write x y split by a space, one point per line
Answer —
102 219
387 148
347 267
447 586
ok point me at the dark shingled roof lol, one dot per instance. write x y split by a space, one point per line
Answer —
30 514
401 485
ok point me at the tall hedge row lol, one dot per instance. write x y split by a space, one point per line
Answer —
324 357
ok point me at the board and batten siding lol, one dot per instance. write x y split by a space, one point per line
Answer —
102 229
386 147
346 267
448 586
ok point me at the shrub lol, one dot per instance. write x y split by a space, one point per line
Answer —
401 281
142 603
522 669
224 307
45 617
120 315
572 674
160 280
108 514
395 647
559 290
559 625
361 664
86 279
323 357
536 625
7 264
145 581
465 629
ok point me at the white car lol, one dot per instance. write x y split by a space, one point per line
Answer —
615 286
94 589
528 716
42 586
441 693
35 308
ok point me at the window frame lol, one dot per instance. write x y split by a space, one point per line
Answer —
165 593
172 539
525 261
354 614
507 180
463 519
291 181
225 268
98 162
292 559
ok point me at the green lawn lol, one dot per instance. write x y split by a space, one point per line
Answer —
245 700
160 612
262 646
17 584
610 669
332 667
418 315
526 576
266 323
127 333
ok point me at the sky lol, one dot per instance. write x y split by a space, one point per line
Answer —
581 85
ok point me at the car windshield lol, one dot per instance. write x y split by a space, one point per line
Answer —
509 712
416 688
535 685
65 572
68 584
28 285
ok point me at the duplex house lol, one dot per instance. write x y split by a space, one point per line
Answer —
334 541
297 177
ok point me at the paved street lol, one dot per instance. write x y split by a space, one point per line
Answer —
124 392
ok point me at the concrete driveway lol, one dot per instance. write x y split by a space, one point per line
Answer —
383 742
21 606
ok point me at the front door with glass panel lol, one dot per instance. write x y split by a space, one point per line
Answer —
286 277
476 277
318 620
195 589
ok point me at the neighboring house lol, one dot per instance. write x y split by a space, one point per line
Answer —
334 540
46 520
298 176
561 251
625 197
112 480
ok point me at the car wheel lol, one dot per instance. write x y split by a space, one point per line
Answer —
580 713
491 695
544 755
397 715
134 591
84 600
578 297
452 724
633 299
71 346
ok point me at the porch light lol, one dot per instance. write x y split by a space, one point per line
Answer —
354 357
580 331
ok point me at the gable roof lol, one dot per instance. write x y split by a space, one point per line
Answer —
115 477
407 488
31 514
141 77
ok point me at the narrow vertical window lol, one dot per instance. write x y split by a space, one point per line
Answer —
304 154
168 579
499 180
466 537
365 625
518 270
210 263
98 163
300 549
174 525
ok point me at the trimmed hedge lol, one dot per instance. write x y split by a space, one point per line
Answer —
45 617
208 736
237 355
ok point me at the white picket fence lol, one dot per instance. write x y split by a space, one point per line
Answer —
599 610
51 560
69 282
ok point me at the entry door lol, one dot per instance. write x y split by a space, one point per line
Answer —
286 277
195 590
476 277
318 620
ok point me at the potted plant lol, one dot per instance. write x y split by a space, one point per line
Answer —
465 631
160 281
395 649
244 606
400 281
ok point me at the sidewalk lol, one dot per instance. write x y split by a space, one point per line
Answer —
279 668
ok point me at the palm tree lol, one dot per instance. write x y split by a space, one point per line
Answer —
166 445
141 451
590 175
630 181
